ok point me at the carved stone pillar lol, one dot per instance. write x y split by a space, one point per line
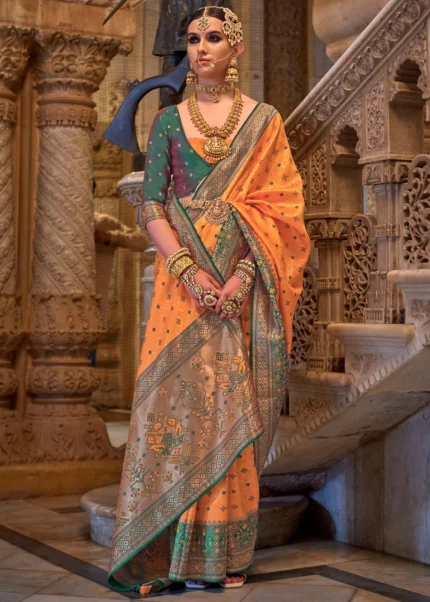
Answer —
66 316
14 43
385 304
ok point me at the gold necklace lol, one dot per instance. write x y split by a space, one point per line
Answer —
215 91
215 147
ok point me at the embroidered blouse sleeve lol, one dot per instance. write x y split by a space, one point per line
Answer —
157 176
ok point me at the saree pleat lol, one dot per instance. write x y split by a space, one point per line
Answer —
209 391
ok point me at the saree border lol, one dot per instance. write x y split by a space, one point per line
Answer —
231 448
197 334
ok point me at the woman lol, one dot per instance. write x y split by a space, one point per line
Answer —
232 246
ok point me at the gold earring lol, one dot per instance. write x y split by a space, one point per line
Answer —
192 77
232 74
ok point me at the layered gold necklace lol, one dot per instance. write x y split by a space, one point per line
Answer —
215 147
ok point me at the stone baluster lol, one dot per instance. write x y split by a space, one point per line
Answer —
14 43
66 316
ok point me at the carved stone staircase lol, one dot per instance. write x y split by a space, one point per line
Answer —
361 357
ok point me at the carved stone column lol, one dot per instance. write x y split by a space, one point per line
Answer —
14 43
66 316
384 300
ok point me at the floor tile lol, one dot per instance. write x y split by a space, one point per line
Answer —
307 554
28 562
363 596
397 572
73 585
6 549
25 581
299 592
10 597
87 551
45 598
213 594
315 581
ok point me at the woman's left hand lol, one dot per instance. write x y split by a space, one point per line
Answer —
229 290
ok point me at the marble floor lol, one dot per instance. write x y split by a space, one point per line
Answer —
46 556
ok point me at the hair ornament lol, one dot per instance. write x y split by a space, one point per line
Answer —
204 21
232 27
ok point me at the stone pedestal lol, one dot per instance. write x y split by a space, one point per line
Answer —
279 517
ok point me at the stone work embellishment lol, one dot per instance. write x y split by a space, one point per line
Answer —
360 262
304 320
319 176
375 117
416 211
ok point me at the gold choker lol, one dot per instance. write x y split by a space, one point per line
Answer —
215 91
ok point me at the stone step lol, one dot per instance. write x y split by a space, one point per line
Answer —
279 517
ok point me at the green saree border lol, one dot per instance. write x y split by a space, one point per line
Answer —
118 586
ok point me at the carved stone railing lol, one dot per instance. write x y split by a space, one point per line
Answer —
355 136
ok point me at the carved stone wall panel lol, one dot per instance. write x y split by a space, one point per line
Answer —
416 226
318 177
305 317
375 112
360 262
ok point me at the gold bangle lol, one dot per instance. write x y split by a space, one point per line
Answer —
180 265
176 255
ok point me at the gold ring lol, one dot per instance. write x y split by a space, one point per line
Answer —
209 298
230 306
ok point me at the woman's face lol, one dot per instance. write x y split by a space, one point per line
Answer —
207 47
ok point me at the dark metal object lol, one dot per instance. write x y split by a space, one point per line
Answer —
122 130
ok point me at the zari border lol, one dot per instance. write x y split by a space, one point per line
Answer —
267 353
175 354
216 464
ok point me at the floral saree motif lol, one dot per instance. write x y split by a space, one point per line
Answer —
209 392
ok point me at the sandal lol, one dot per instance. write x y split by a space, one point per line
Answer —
234 584
194 585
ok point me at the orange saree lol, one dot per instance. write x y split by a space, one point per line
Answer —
209 392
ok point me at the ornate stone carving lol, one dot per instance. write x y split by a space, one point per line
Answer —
360 364
304 319
328 228
360 262
67 71
352 118
416 208
375 126
416 52
392 30
14 44
66 319
385 171
318 178
303 170
61 432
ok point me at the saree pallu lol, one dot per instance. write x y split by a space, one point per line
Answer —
209 392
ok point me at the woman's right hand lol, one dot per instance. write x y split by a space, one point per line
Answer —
207 283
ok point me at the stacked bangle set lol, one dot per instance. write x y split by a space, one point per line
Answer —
180 265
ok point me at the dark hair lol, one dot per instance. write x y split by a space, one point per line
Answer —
211 11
